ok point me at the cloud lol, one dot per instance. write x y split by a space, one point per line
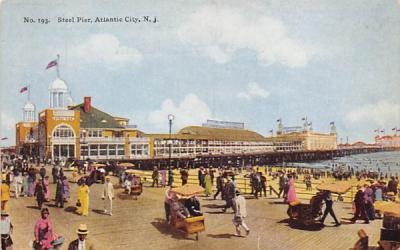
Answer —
218 32
106 49
190 111
383 113
253 90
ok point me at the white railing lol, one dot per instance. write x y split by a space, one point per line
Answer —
62 140
102 139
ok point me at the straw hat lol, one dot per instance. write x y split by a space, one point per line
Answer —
82 229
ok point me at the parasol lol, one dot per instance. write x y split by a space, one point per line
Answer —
133 171
337 188
126 165
387 207
188 190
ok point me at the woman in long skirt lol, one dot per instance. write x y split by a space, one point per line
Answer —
163 177
83 196
208 184
31 183
46 188
292 192
25 184
66 188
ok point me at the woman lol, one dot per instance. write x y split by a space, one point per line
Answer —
43 231
25 184
83 196
66 188
39 193
6 229
46 188
5 195
31 182
163 177
291 192
208 184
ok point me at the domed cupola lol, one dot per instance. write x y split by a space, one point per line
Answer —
29 112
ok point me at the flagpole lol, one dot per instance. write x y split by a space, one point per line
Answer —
58 72
29 93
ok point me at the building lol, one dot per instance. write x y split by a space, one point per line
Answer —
26 132
196 141
392 141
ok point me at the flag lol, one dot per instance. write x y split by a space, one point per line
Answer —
310 124
303 119
4 138
271 131
332 123
394 129
376 130
279 120
382 131
22 90
51 64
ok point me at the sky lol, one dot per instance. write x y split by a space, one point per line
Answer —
227 60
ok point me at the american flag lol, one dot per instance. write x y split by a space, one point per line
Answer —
4 138
22 90
51 64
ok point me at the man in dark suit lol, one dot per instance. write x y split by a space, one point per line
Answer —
329 208
82 242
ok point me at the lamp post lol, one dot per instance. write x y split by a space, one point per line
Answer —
170 176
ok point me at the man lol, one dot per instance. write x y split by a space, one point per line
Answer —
82 243
60 193
108 195
392 185
220 185
184 176
239 208
17 183
42 172
329 208
54 172
282 184
155 176
193 206
179 209
229 194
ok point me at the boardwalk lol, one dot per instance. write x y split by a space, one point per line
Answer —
139 224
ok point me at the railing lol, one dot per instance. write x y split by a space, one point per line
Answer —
102 139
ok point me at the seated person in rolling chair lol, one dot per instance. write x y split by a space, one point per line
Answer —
179 209
193 205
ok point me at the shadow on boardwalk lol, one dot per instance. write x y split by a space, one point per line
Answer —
296 225
163 227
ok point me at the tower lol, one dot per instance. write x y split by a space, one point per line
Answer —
29 112
59 95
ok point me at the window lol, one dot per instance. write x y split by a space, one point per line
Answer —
120 149
63 131
94 150
103 149
111 149
84 150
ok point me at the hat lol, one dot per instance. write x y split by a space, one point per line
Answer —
82 229
237 191
4 213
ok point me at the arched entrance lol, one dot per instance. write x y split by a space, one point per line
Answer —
63 142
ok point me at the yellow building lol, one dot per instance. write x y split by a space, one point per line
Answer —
304 141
